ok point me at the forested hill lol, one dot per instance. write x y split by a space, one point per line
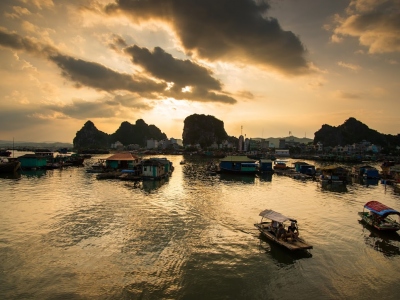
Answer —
89 137
353 131
204 130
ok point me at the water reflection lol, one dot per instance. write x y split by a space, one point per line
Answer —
237 178
266 177
15 175
385 242
80 225
338 188
365 181
152 185
33 173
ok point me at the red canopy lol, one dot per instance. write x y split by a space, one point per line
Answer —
377 206
380 208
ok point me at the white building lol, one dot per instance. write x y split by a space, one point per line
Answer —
282 152
179 142
320 147
241 143
152 144
117 145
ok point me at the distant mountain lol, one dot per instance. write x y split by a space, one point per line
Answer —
138 133
275 140
204 130
18 144
353 131
89 137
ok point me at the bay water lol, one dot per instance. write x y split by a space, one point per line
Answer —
66 235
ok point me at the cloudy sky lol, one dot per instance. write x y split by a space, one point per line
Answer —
265 68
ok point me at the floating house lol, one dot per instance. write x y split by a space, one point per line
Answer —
155 169
304 168
238 164
265 166
123 160
33 161
366 171
334 173
167 164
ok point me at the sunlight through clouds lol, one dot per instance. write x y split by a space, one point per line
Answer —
252 63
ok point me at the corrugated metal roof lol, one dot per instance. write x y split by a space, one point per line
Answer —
122 156
239 158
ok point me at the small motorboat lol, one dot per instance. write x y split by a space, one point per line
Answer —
379 216
268 230
98 167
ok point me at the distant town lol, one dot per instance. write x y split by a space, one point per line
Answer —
255 147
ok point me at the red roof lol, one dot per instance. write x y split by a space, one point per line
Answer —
122 156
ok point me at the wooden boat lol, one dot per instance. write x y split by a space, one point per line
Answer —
9 165
5 153
379 216
267 229
280 165
98 167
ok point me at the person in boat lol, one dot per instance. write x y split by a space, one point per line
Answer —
293 231
376 219
274 226
281 233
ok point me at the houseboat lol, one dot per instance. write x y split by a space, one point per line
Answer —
155 169
334 175
304 168
265 166
238 164
32 161
365 171
123 160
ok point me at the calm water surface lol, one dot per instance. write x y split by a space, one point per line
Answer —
66 235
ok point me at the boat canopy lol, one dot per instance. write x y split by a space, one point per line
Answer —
274 216
380 209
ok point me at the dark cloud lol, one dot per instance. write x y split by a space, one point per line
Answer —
82 72
100 77
158 64
15 41
235 31
182 73
164 66
109 107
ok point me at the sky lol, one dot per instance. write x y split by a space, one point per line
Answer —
264 68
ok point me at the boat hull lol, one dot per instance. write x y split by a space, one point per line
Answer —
292 245
9 167
386 226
